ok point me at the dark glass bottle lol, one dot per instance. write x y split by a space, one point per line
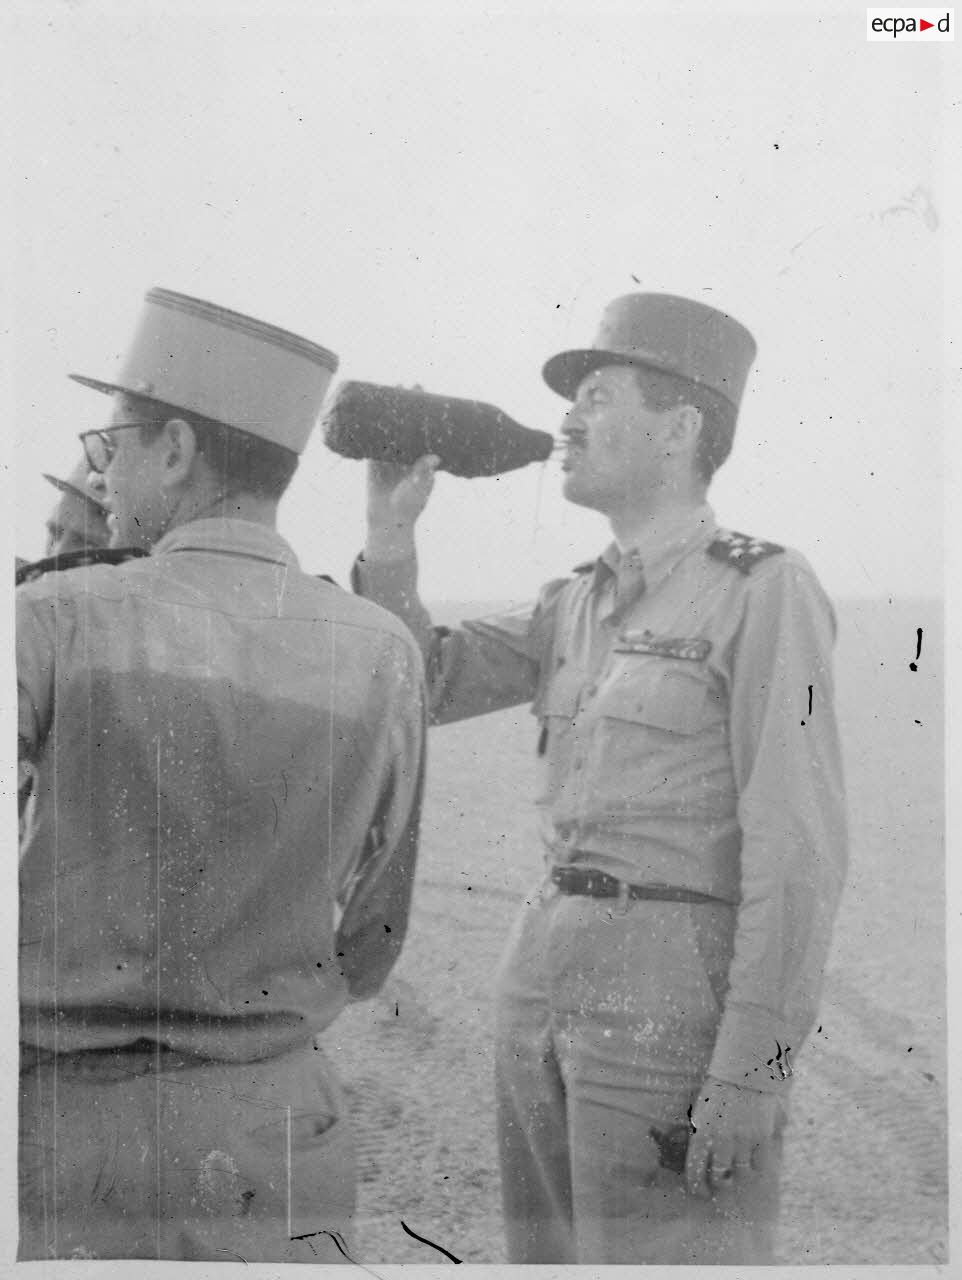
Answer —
392 424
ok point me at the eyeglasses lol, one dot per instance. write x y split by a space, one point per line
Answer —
99 448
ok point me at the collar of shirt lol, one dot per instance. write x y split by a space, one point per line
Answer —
655 555
229 537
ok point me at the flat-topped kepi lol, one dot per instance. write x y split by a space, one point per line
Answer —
669 334
76 485
222 365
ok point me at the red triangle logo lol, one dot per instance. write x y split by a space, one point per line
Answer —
923 25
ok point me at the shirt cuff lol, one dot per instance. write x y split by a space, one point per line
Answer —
386 581
753 1050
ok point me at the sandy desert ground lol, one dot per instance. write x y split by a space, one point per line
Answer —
865 1179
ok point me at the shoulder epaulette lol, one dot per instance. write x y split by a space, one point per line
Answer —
742 551
585 567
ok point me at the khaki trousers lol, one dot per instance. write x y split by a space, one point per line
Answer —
607 1016
140 1153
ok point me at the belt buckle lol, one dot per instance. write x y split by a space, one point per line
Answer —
624 897
550 889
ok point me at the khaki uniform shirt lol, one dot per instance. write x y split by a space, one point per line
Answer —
225 749
677 746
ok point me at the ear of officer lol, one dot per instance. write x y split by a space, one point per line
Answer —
192 488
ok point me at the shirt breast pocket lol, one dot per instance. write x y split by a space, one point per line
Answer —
675 701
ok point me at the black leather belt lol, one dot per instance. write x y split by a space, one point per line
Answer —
598 884
34 1055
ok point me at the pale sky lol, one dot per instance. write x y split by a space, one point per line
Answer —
449 194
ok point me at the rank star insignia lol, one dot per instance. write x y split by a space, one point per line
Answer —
741 550
687 648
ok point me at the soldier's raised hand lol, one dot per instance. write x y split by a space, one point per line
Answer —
396 496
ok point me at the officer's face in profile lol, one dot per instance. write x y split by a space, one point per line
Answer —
615 445
75 524
131 486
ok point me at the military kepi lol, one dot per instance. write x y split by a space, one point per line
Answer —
221 365
76 485
668 334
